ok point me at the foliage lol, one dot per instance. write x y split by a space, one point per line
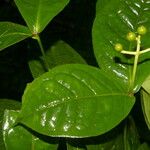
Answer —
6 104
113 21
145 100
21 135
71 100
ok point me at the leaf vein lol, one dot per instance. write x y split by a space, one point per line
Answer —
59 102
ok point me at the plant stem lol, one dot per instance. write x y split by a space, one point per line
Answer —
136 60
134 53
145 51
130 69
42 51
128 52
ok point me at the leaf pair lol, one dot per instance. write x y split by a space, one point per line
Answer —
37 14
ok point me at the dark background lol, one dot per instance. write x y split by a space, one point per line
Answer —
72 25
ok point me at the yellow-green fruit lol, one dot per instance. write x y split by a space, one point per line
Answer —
131 36
118 47
141 30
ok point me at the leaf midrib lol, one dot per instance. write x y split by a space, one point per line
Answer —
20 118
80 98
15 33
38 16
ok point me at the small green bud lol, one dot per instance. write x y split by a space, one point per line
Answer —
118 47
141 30
131 36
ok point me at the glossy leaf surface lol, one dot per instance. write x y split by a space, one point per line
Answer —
114 19
145 100
11 33
18 138
60 53
74 101
6 104
38 13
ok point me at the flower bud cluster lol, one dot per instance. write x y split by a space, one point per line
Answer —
131 36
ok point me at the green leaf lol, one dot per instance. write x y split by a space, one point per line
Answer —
131 137
146 84
19 138
113 143
126 139
11 33
36 68
60 53
38 13
74 101
145 102
144 146
71 147
6 104
114 19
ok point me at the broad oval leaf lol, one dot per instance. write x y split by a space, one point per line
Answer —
19 138
6 104
39 13
74 101
60 53
114 19
11 33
